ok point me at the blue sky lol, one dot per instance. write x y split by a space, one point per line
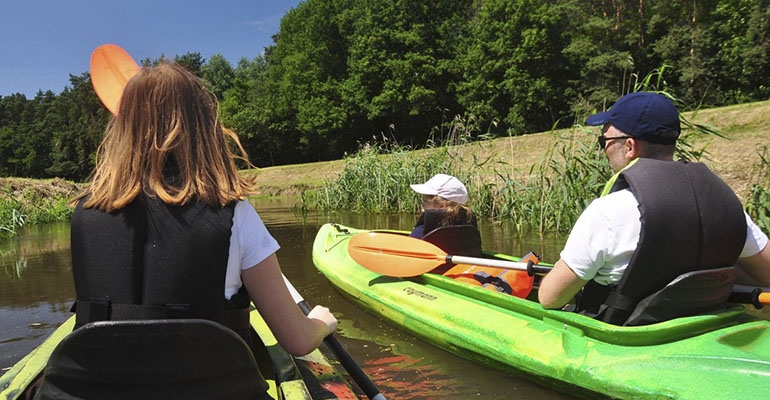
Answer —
44 41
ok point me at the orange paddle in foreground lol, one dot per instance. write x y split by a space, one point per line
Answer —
111 69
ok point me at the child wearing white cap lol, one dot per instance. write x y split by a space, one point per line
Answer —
443 204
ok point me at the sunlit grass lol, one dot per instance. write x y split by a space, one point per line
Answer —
758 200
31 210
376 180
548 199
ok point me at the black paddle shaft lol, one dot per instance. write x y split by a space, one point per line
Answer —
358 375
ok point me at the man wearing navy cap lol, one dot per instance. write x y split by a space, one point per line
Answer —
657 221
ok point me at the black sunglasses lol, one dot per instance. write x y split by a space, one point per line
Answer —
603 140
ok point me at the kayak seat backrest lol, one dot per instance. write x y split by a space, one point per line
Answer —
152 359
459 240
691 293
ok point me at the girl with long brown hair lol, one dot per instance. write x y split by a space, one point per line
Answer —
165 230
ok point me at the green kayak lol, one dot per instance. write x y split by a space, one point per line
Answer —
307 377
724 355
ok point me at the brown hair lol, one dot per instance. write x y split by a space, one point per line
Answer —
167 141
456 213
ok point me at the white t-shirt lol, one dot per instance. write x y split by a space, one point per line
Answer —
250 244
605 235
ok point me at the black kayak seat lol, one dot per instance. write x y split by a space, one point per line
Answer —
461 240
691 293
153 359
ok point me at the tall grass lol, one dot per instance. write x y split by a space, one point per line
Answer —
11 218
549 198
16 213
376 179
556 190
758 200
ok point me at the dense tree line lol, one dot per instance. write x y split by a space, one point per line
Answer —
342 72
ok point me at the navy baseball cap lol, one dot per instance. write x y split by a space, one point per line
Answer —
648 116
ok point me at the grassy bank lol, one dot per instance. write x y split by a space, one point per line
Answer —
31 201
543 181
736 158
547 199
493 169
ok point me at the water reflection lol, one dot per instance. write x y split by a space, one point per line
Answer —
36 288
36 291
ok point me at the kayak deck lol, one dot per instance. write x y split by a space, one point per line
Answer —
679 359
288 377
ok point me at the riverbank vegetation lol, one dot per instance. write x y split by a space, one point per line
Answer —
33 201
547 198
541 181
758 201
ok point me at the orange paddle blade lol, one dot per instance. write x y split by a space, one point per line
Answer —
394 255
111 69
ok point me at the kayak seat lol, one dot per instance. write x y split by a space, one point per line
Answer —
152 359
460 240
692 293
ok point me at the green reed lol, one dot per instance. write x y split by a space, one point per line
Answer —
15 213
758 200
557 189
11 218
550 197
376 179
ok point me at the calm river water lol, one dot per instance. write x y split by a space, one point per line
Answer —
36 292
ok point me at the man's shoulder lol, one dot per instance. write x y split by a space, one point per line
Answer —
620 198
613 207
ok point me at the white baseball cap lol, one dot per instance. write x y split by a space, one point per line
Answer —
445 186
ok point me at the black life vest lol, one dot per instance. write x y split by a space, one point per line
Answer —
690 220
150 260
463 240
